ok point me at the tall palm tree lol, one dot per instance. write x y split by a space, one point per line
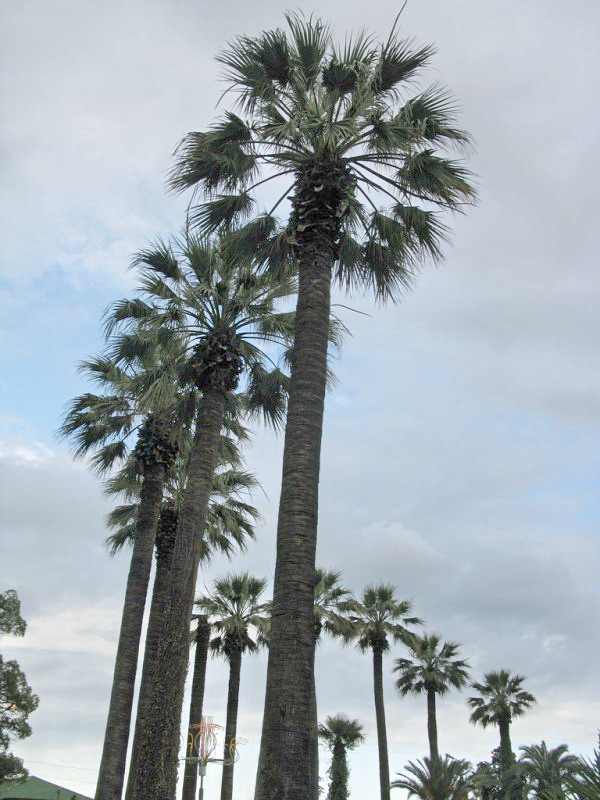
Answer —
360 160
341 734
373 621
331 599
548 772
501 699
204 289
433 669
234 609
106 423
436 779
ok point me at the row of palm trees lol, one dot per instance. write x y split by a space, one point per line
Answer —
206 343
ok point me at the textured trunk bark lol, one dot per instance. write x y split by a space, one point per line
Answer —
338 787
114 754
153 634
284 772
190 776
432 725
156 769
233 695
507 756
384 768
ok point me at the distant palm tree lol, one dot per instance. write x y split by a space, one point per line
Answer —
501 699
341 734
372 622
236 613
331 599
436 779
548 772
365 169
433 670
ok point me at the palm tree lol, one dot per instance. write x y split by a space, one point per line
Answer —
201 288
331 599
585 785
436 779
337 125
105 423
372 623
341 734
548 772
233 609
501 699
433 669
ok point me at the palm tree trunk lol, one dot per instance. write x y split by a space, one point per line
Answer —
507 756
384 768
165 541
284 763
116 738
233 695
338 786
196 702
432 726
156 769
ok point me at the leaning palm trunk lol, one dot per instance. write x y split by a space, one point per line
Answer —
155 775
116 738
432 726
190 776
384 768
233 694
284 771
165 541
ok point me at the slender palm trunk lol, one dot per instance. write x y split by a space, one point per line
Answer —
116 738
165 541
432 726
156 769
507 756
233 695
384 768
190 776
284 763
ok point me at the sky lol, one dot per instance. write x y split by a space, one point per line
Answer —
461 446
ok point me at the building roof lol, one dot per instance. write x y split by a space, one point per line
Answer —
33 788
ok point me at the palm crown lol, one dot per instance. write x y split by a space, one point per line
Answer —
331 598
375 619
233 607
502 698
336 124
435 666
341 729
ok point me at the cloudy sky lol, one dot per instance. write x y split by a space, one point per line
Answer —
462 444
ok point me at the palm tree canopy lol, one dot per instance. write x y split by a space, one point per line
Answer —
501 698
548 770
331 598
434 666
226 315
233 608
436 779
340 729
375 619
312 109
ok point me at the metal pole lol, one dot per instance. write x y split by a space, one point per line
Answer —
202 773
